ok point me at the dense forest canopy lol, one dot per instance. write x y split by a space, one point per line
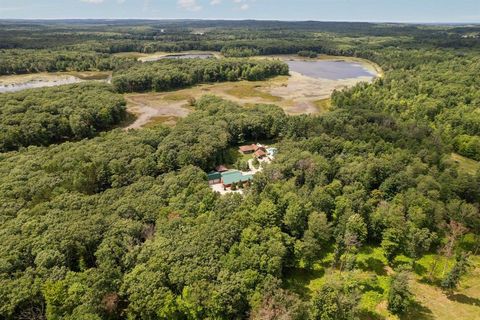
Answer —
49 115
31 61
366 201
173 74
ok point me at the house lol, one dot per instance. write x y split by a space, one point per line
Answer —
214 178
252 148
248 149
260 154
234 176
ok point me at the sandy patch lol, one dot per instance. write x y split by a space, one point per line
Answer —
153 107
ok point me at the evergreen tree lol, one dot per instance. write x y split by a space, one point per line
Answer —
451 281
399 296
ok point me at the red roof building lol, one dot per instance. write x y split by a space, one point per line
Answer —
248 149
260 153
251 148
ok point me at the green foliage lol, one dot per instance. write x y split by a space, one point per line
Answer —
125 225
451 280
171 74
308 54
399 295
468 146
50 115
32 61
335 301
315 239
236 52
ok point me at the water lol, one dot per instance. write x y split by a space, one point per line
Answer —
331 70
181 56
42 81
14 87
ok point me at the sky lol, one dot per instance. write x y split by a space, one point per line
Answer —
428 11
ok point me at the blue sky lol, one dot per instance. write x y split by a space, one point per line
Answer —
327 10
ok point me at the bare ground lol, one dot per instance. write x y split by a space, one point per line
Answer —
297 94
150 107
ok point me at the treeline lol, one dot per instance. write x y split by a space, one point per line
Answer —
308 54
50 115
177 73
33 61
239 52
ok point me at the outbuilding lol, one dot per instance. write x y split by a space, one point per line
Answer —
234 177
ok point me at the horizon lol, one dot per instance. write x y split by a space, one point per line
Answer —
238 20
373 11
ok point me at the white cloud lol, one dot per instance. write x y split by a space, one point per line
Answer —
93 1
243 4
190 5
215 2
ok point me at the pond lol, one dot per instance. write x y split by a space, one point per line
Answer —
31 84
180 56
331 70
31 81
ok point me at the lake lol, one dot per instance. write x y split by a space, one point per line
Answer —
331 70
180 56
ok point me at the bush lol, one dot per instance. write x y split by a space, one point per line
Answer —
308 54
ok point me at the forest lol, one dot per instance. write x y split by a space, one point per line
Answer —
363 213
50 115
178 73
33 61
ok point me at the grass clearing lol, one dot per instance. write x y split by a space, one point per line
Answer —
373 275
323 105
244 90
176 96
466 164
169 121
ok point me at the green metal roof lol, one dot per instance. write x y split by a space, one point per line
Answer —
214 176
235 176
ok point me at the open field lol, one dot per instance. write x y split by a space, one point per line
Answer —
430 301
155 108
465 164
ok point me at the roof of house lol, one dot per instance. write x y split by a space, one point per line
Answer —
260 153
248 148
214 176
235 176
221 168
